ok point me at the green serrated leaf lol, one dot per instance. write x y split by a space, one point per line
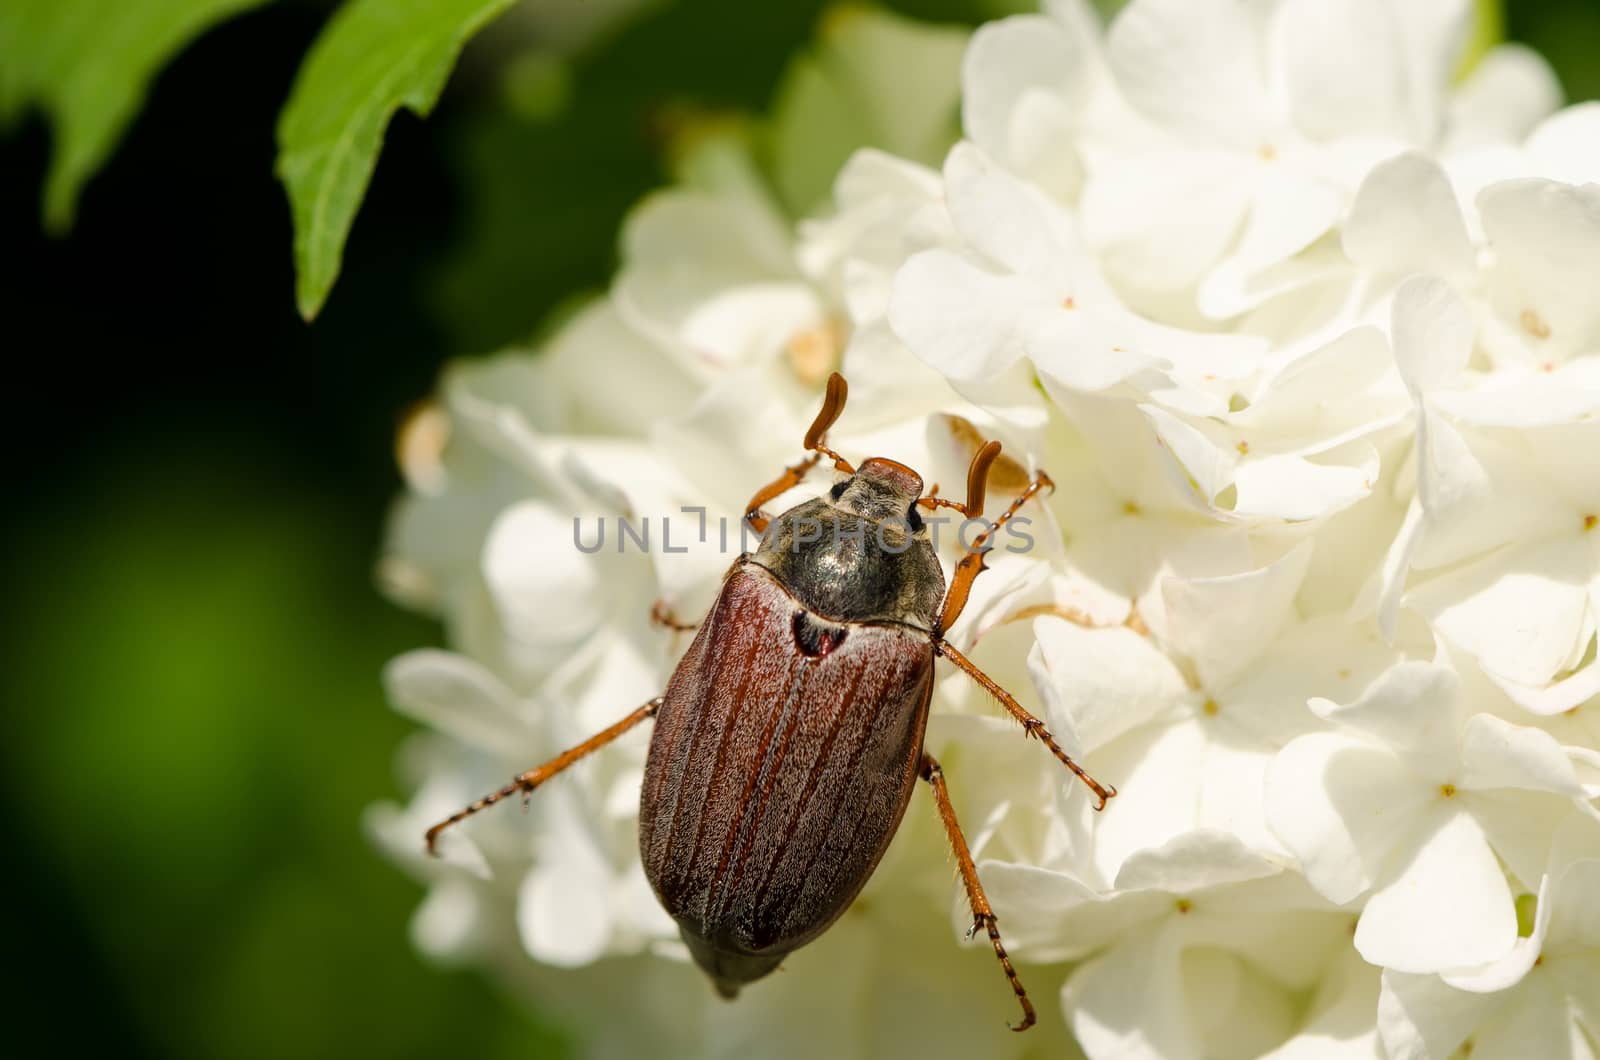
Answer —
89 63
874 80
374 57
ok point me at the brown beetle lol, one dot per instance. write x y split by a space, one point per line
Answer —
790 735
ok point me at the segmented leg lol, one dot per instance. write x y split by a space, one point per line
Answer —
1031 725
525 783
972 565
792 476
662 615
832 406
982 915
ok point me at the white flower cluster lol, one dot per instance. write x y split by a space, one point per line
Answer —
1307 333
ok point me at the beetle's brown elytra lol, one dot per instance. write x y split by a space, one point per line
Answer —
789 737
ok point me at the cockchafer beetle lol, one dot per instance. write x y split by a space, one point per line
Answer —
789 737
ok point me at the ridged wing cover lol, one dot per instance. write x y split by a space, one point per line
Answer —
776 779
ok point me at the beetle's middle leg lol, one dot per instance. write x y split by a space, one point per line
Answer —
982 915
524 783
1030 724
971 564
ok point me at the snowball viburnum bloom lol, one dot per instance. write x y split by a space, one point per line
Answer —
1541 999
1413 802
1303 332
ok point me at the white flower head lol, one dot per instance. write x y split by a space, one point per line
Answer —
1301 329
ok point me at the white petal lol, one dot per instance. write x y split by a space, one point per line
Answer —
1320 400
1159 770
1435 34
1420 1017
1341 1024
1009 59
1044 143
1450 907
1297 489
1013 224
1509 970
1537 1021
1082 349
1555 698
1454 488
1342 807
399 831
1224 624
597 344
735 242
1563 453
1291 211
1432 329
1193 66
1544 399
1326 655
1498 754
524 580
1391 581
1510 89
1129 1002
1574 915
1345 69
1412 707
564 914
1521 611
1197 358
1160 220
457 696
448 924
1405 219
1237 1009
749 322
1202 461
962 321
1546 238
1566 146
1039 904
1520 825
1103 682
1192 862
1188 771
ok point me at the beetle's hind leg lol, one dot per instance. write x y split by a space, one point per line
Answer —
832 406
525 783
982 915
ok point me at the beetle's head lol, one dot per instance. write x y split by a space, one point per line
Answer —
879 489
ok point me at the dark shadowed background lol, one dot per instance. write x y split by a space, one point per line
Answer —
194 722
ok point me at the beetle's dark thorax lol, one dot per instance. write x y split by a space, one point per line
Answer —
853 566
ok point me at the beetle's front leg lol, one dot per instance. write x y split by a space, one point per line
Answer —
792 476
832 406
971 564
982 915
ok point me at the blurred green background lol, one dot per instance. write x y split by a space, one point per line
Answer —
194 721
